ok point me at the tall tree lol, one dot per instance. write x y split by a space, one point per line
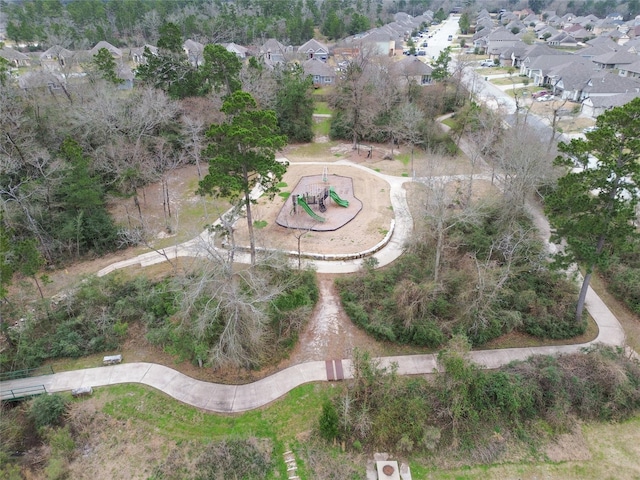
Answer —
441 65
294 104
221 69
464 23
106 66
84 223
242 155
594 205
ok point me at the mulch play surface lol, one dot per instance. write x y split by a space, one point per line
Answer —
335 215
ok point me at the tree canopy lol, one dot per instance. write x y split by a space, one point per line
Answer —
242 154
594 204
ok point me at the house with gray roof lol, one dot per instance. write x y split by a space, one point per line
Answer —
568 80
606 84
239 51
194 51
273 52
412 70
538 68
313 49
136 54
562 39
321 73
631 70
615 60
115 52
14 57
55 58
596 106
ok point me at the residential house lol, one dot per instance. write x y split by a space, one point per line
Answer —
568 80
321 73
136 54
194 51
313 49
55 58
615 60
562 39
596 106
412 70
538 68
116 53
15 58
631 70
606 84
240 51
273 52
498 40
40 80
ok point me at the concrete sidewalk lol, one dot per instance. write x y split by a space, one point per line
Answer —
239 398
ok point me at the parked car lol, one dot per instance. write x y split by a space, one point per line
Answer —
487 63
425 44
545 98
450 37
589 129
540 94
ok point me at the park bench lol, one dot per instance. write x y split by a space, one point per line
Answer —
112 359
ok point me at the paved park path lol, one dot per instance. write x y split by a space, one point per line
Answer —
239 398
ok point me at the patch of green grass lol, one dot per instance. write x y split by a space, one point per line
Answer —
322 108
513 80
282 420
311 150
405 174
450 122
260 224
282 185
284 195
321 128
405 158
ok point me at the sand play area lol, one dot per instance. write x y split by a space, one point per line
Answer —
352 229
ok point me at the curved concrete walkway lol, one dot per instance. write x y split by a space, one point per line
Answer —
239 398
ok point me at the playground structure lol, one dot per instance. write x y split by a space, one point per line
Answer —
319 202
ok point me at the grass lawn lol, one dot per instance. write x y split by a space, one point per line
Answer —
512 80
283 422
612 451
322 127
322 108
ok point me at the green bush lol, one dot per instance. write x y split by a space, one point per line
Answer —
328 423
48 410
235 458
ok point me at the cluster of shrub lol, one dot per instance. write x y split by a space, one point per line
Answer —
403 303
95 318
471 408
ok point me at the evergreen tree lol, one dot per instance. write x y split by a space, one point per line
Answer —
594 205
294 104
242 155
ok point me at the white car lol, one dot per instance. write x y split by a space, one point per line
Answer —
487 63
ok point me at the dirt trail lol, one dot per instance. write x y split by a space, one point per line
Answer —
330 334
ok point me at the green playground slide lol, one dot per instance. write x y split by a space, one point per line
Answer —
337 199
307 209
